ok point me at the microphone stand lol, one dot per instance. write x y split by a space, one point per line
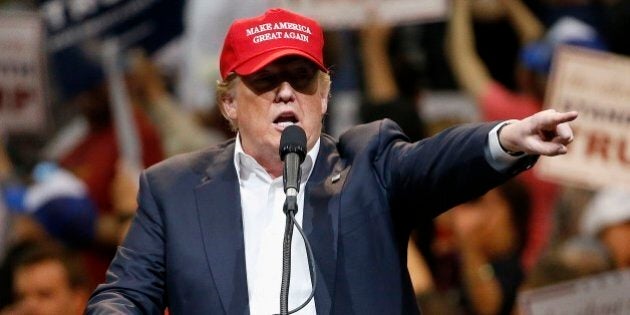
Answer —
290 208
292 152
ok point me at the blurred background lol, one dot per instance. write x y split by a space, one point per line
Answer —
93 91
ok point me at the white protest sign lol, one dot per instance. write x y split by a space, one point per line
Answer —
605 293
597 85
22 73
338 14
121 108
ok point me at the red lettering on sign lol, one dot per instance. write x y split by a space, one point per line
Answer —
598 144
21 98
15 99
623 152
606 147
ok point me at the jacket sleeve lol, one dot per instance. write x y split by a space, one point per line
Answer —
441 171
135 279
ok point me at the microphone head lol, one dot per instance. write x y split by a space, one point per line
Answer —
293 140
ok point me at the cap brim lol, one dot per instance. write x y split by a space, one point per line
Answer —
258 62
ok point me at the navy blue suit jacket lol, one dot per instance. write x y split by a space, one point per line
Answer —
185 248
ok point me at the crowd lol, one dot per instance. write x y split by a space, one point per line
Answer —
62 215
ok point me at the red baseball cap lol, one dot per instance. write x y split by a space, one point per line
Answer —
253 43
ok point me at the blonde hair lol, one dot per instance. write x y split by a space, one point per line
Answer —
225 88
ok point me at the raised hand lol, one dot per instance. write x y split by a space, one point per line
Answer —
544 133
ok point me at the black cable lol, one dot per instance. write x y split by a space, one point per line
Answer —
311 266
286 266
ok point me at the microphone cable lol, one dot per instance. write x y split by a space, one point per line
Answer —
286 265
292 152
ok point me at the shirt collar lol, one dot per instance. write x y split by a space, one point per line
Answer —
245 164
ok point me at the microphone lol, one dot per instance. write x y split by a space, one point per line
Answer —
292 153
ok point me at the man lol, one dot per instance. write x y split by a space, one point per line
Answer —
207 237
47 280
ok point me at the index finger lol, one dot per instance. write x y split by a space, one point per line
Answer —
558 118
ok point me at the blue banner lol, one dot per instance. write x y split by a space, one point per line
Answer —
75 28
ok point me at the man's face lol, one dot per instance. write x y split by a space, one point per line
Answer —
43 288
285 92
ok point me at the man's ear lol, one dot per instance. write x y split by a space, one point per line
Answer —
228 104
324 105
325 97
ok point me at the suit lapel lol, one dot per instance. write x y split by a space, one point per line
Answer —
219 210
220 216
321 220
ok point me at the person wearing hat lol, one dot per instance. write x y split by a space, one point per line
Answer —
496 102
207 237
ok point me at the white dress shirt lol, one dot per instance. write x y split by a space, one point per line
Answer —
262 200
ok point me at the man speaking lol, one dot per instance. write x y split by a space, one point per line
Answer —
208 234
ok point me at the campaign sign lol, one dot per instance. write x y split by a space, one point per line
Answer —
146 23
340 14
605 293
76 30
597 85
22 73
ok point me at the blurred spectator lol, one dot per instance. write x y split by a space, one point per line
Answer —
568 212
473 75
392 89
537 56
607 217
574 258
48 280
591 12
15 224
479 247
384 96
94 158
59 202
95 155
4 225
124 193
179 131
5 171
496 102
6 167
618 26
497 42
56 204
419 271
6 272
205 25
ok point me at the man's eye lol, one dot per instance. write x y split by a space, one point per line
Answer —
261 79
302 78
263 82
305 72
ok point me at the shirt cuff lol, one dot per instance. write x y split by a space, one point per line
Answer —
498 158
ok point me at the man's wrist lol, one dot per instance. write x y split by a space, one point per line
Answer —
496 155
512 153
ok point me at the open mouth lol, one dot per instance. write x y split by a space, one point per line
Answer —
285 120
